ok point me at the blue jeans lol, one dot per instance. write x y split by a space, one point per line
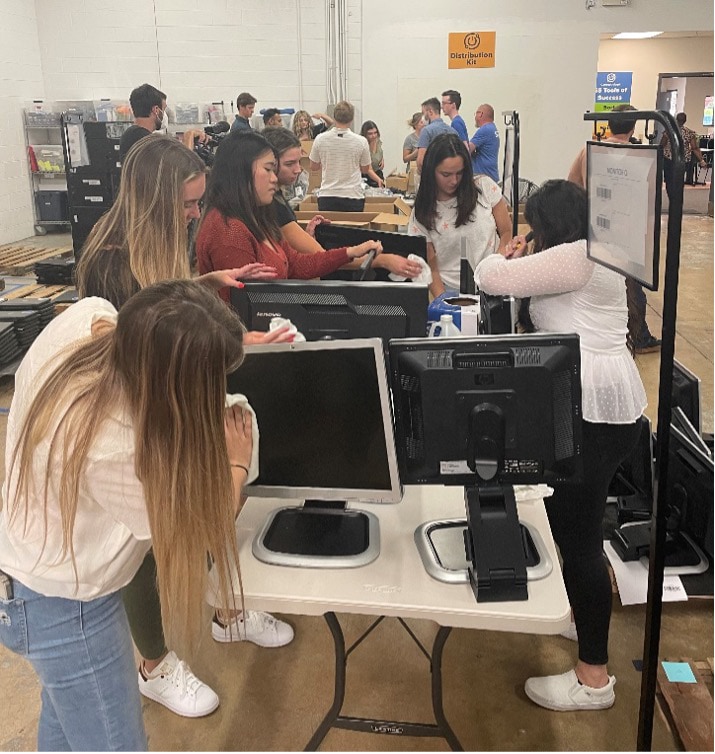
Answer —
82 653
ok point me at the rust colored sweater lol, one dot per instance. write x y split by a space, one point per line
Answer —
224 243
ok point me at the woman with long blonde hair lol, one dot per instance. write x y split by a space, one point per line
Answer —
109 416
305 129
142 240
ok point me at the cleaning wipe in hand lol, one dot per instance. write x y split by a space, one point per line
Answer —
238 399
424 277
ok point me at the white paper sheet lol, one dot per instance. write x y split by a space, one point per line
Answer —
632 580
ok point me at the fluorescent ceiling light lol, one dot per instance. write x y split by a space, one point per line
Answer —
637 34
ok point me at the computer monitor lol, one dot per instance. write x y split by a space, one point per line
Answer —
487 413
689 501
336 310
333 236
686 393
326 438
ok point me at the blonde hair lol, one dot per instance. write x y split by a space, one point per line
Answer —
166 363
414 120
145 226
300 114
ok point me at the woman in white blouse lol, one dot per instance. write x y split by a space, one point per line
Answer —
109 416
452 207
563 291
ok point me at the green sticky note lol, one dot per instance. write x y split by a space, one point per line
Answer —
679 672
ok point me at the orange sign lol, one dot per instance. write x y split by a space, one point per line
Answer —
472 49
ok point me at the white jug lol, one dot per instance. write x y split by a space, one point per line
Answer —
445 328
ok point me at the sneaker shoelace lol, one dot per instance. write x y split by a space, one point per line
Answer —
182 677
260 621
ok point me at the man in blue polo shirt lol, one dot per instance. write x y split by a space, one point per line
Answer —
484 145
451 102
435 126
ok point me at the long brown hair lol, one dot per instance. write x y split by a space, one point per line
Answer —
166 364
145 225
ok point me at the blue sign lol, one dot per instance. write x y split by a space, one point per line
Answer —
613 88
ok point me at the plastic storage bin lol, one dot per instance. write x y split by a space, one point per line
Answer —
52 206
49 158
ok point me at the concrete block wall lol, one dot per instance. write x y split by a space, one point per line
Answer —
194 50
21 81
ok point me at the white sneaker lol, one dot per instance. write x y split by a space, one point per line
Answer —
570 632
178 689
564 693
260 628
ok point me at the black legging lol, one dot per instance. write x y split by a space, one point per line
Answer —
576 517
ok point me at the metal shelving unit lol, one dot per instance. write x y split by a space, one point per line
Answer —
41 126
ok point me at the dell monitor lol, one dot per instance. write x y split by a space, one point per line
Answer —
487 413
326 438
336 310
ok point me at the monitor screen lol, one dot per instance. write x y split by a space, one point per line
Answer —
332 236
689 490
686 393
494 408
323 413
336 310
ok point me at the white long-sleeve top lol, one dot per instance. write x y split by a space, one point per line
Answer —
111 532
570 293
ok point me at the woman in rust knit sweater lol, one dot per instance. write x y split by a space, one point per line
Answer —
240 224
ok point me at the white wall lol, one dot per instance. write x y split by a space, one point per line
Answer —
20 81
194 50
546 62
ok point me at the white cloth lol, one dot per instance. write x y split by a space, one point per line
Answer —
425 276
238 399
111 532
570 293
480 232
341 153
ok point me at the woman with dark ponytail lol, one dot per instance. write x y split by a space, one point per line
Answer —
564 291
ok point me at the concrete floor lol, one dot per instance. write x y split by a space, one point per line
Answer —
272 700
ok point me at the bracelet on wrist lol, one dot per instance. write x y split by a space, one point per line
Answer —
240 466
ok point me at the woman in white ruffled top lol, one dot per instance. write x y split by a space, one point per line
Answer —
564 291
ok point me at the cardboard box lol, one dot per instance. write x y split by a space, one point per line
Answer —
376 220
402 207
397 181
306 146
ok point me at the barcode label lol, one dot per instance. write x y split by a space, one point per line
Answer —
602 192
603 222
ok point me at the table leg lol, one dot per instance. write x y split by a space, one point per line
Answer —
333 718
339 696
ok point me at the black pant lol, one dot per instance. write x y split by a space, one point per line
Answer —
340 204
576 518
668 176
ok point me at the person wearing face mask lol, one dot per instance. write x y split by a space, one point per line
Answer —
149 108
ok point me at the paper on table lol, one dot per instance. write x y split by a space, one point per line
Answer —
632 580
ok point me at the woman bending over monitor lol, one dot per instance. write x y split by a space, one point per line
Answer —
240 225
564 291
101 467
453 207
140 241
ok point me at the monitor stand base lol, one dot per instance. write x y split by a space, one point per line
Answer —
441 548
318 535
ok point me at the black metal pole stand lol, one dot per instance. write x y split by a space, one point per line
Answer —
333 719
656 560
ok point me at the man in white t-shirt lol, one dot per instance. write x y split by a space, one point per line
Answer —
343 157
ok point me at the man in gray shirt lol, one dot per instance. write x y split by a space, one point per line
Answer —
245 104
431 110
